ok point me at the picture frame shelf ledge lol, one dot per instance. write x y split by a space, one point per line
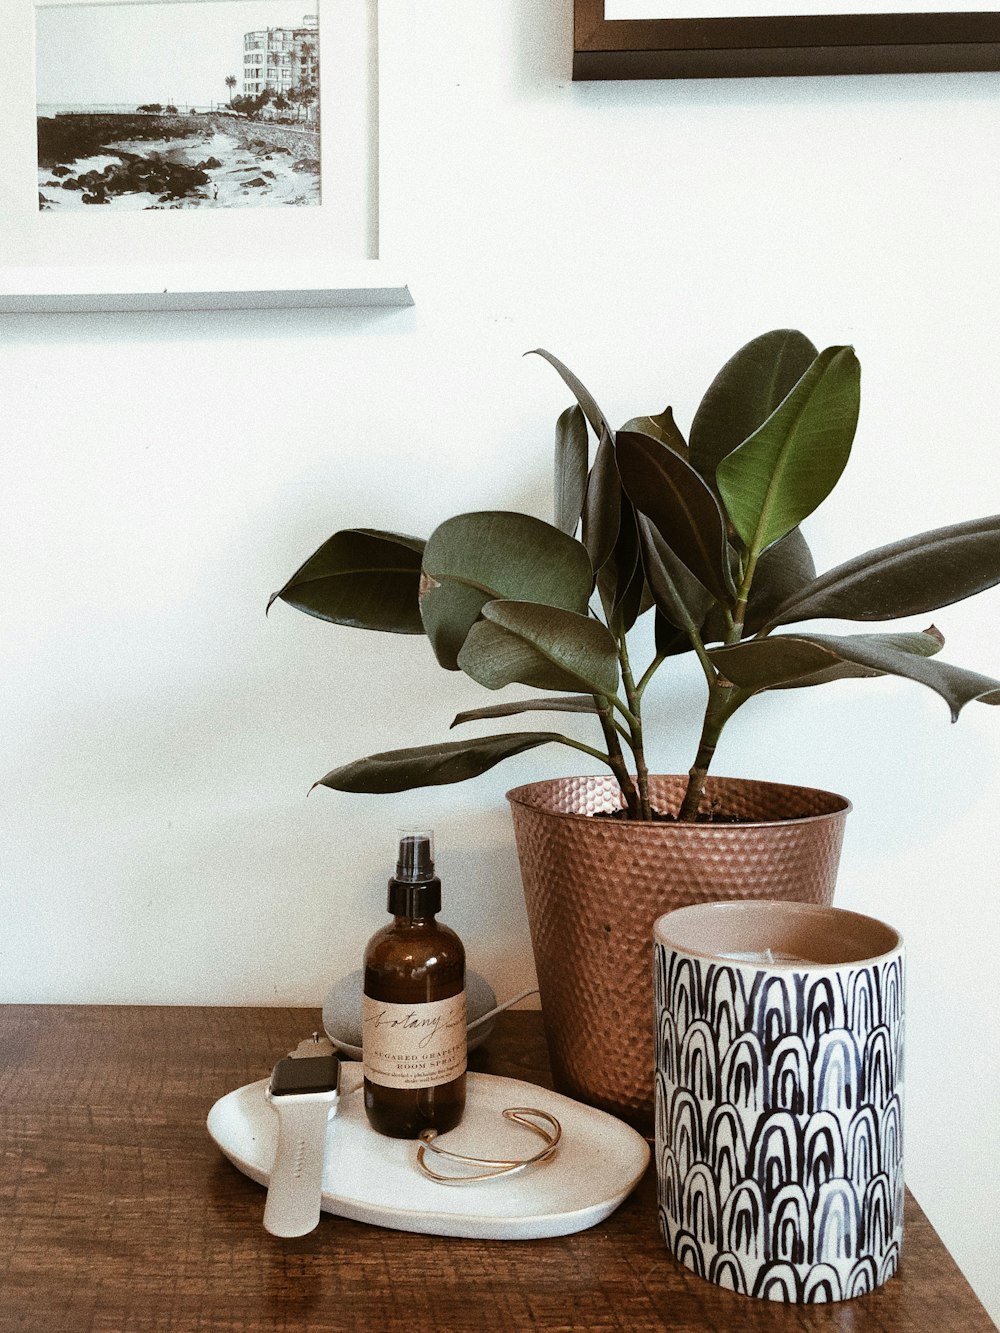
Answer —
57 289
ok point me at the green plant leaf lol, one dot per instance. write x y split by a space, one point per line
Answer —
764 664
680 506
744 394
908 577
663 428
678 595
621 580
669 640
361 577
782 570
541 646
597 419
788 661
432 765
602 506
791 463
570 469
559 703
473 559
761 664
956 685
494 657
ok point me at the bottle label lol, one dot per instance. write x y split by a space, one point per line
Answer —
413 1045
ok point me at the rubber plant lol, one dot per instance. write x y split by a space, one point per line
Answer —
701 534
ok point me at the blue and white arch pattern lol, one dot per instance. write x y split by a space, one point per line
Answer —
779 1124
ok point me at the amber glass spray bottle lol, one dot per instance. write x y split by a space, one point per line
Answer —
413 1009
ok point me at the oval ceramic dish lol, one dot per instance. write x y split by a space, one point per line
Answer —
375 1179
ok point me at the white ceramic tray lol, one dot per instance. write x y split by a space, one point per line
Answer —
375 1179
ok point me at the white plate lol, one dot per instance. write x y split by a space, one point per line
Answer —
375 1179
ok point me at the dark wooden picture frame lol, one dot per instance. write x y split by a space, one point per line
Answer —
806 44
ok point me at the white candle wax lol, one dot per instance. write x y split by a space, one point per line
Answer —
765 956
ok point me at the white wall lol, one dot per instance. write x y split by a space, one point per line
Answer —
164 474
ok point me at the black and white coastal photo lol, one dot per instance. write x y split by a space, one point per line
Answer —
178 104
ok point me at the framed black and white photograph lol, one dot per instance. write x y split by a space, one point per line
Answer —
171 106
192 153
656 39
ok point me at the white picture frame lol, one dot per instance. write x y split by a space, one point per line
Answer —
217 258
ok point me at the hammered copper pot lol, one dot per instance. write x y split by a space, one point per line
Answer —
594 887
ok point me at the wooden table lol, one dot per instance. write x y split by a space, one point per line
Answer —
118 1213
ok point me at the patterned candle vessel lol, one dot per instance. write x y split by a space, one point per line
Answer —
779 1080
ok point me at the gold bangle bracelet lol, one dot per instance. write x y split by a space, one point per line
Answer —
550 1130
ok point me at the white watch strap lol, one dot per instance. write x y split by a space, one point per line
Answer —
296 1186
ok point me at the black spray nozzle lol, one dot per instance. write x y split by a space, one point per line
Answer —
415 862
415 890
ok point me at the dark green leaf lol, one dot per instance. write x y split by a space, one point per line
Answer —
602 506
361 577
494 657
591 411
782 571
759 664
448 610
924 644
716 626
669 640
432 765
680 505
909 577
956 685
621 580
559 703
663 429
677 593
744 394
541 646
474 558
764 664
571 469
785 660
791 463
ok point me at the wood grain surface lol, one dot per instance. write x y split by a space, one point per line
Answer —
118 1213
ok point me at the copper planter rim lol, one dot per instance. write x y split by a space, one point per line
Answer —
644 828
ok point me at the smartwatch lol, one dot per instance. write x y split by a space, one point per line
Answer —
304 1092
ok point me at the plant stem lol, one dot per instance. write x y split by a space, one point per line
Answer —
627 713
700 652
615 759
648 674
622 731
723 701
740 610
635 722
723 698
585 749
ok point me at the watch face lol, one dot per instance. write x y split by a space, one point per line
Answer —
308 1073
